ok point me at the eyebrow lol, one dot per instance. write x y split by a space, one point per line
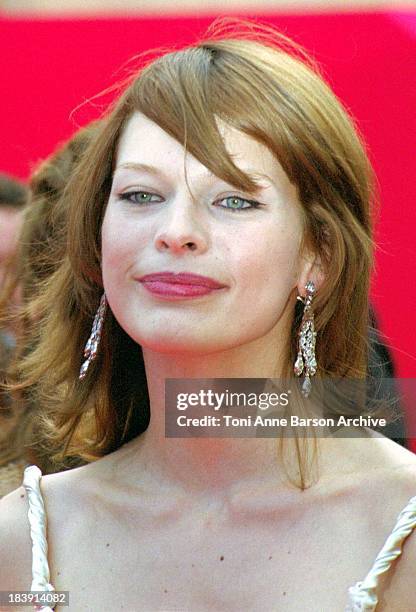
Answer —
141 167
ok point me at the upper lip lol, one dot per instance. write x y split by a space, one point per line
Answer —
182 278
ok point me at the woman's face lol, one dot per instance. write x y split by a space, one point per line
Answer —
153 225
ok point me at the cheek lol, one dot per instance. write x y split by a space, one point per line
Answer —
121 244
121 249
269 264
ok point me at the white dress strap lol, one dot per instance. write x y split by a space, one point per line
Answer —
363 596
37 521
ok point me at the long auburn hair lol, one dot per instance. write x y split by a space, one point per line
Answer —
262 83
40 248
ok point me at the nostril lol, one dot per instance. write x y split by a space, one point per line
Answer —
176 245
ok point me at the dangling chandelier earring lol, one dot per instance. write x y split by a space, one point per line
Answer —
91 348
306 360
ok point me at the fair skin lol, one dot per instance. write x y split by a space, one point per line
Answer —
211 524
217 335
10 224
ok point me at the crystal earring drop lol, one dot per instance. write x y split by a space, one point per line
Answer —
91 348
306 360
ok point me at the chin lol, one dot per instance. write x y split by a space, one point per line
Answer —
180 345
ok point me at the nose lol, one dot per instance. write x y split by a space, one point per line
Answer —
182 228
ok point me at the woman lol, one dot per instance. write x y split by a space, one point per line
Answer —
40 250
231 160
13 195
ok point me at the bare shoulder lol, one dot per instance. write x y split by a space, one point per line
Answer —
390 469
64 493
374 463
388 446
398 587
394 460
15 542
61 493
396 483
375 479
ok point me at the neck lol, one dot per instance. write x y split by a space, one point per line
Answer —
206 465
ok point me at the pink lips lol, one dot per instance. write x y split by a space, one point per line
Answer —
183 285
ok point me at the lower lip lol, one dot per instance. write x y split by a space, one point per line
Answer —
176 290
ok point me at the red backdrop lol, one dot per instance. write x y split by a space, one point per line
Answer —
49 67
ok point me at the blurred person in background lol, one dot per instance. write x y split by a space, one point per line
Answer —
13 197
40 241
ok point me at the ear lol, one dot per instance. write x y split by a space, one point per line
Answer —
310 269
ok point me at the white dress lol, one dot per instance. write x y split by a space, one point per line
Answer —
362 596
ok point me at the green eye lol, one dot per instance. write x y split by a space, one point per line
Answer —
142 196
234 203
138 197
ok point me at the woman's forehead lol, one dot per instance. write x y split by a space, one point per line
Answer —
145 146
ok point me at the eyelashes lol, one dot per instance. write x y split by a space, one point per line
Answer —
235 198
131 196
144 197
